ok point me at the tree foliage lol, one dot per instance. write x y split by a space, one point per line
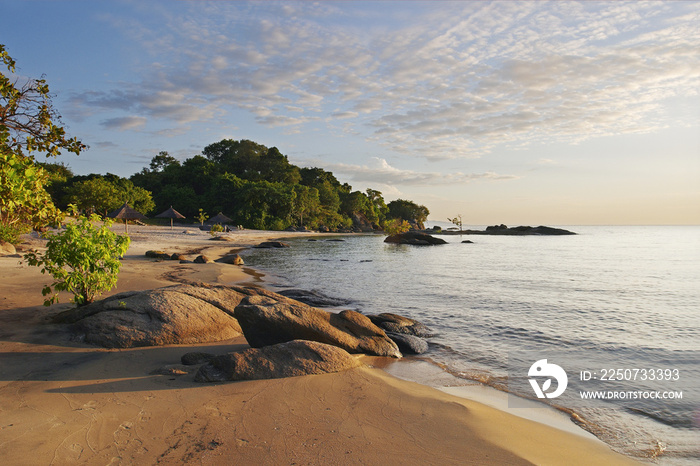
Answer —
83 259
102 194
408 210
28 124
259 188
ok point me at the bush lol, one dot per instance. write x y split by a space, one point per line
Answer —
396 226
82 259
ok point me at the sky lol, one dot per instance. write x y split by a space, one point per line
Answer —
527 113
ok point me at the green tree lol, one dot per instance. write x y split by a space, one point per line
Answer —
202 217
457 221
408 210
102 194
306 202
94 195
83 259
24 201
28 124
163 160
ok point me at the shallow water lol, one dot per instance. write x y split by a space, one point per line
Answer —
607 298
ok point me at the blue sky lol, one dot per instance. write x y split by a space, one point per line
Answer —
556 113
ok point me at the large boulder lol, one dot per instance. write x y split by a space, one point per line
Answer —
268 321
414 238
180 314
291 359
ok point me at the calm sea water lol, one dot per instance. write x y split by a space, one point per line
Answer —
606 298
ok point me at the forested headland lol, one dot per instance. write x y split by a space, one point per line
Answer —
256 186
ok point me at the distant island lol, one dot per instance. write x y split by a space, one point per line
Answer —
505 231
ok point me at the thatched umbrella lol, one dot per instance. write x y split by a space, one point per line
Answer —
127 213
171 214
218 218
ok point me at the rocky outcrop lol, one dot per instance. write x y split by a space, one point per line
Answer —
180 314
268 321
514 231
290 359
414 238
312 298
361 223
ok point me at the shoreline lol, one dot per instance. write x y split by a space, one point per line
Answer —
66 401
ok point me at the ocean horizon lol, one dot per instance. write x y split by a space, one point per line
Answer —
612 305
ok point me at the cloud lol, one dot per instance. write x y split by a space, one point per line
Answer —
382 172
124 123
440 83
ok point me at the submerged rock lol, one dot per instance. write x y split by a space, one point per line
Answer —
268 321
290 359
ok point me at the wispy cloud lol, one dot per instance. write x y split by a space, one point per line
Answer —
465 78
381 172
124 123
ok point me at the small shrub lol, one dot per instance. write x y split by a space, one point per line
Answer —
396 226
82 259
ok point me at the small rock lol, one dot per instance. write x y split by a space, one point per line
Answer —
467 241
7 249
172 369
195 358
233 259
154 254
202 259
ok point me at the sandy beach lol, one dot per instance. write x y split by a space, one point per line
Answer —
64 402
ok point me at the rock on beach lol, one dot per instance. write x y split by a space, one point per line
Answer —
268 321
290 359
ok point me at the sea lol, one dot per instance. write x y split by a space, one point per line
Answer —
616 308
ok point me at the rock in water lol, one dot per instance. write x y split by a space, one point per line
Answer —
409 344
291 359
270 320
399 324
180 314
414 238
271 244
